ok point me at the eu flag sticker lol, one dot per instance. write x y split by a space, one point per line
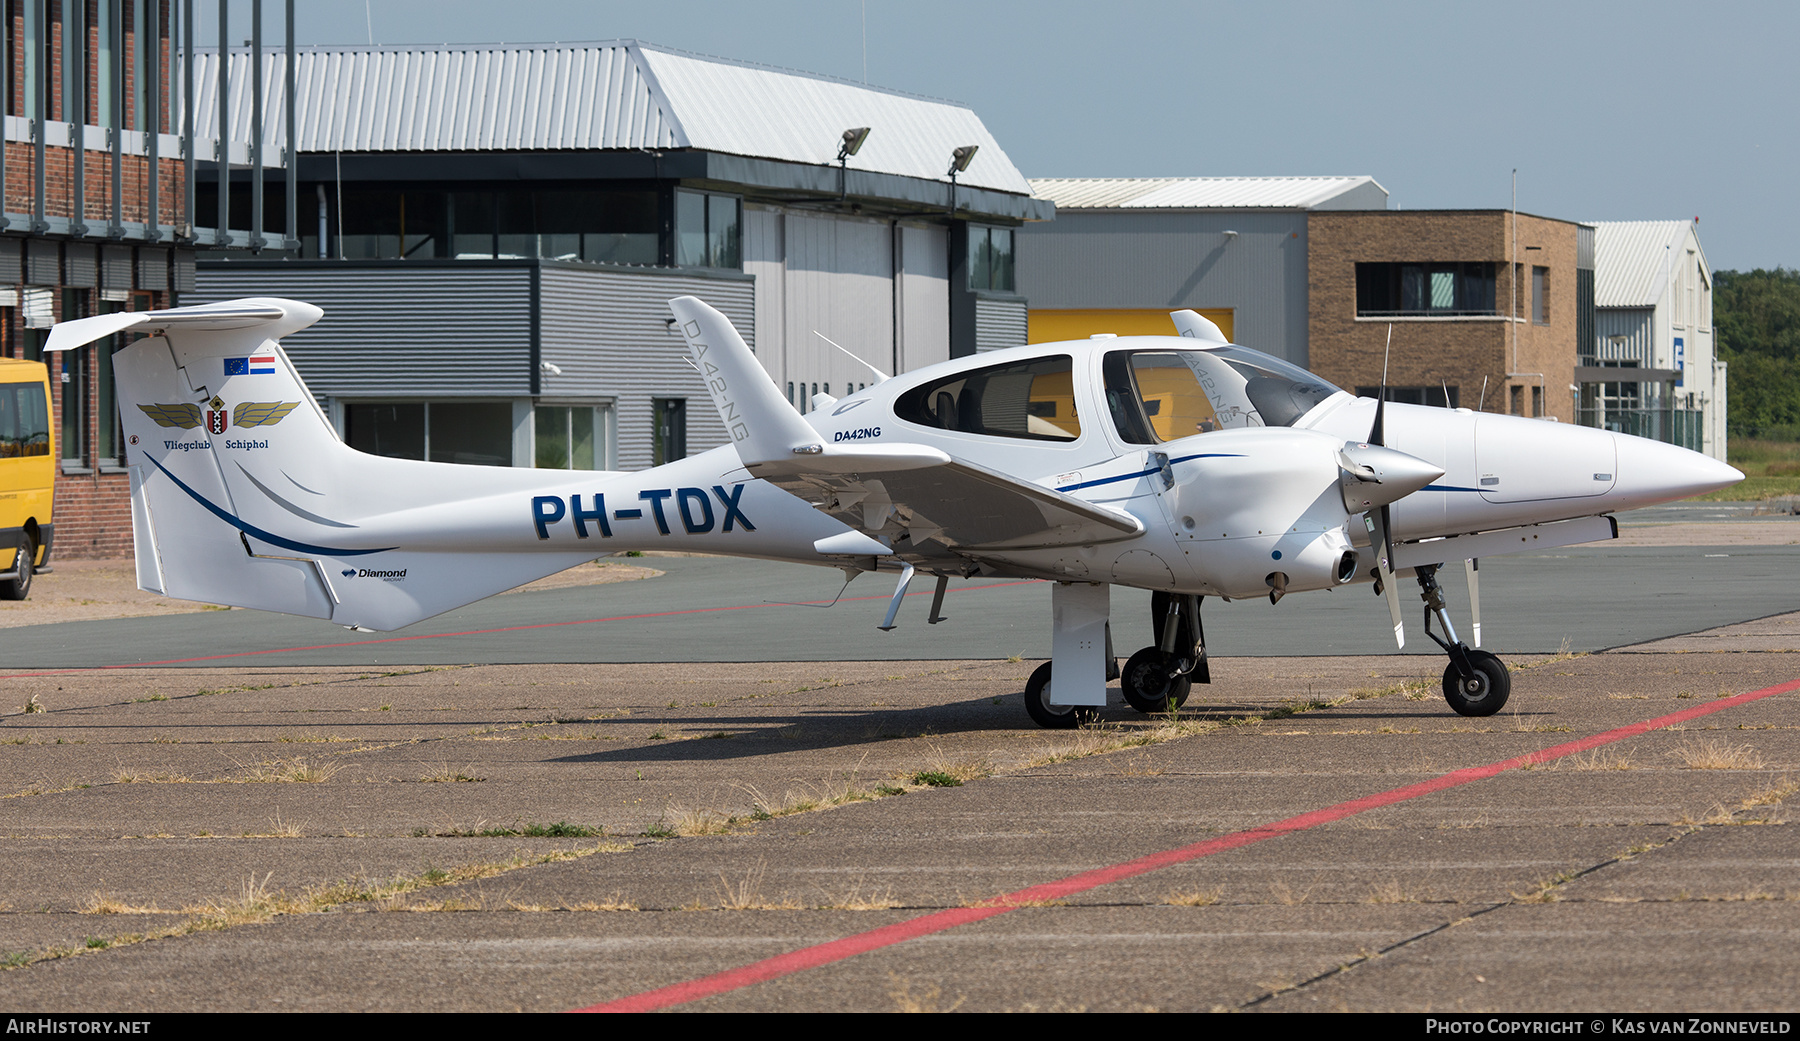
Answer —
256 365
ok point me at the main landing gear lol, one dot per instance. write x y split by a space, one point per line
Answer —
1159 677
1475 683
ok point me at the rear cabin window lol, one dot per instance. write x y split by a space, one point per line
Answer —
1033 400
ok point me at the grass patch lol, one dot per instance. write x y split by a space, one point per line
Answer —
1771 470
936 779
1717 755
445 775
1195 897
559 830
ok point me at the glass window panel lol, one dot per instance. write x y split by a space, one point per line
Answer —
690 229
552 438
1001 240
581 439
513 220
1032 400
723 244
980 258
1443 290
11 447
475 432
421 224
472 225
396 430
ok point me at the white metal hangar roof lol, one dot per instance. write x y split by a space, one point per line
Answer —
619 94
1632 260
1212 193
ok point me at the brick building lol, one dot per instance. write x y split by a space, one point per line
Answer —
1487 307
97 176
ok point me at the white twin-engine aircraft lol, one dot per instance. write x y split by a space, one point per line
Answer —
1183 465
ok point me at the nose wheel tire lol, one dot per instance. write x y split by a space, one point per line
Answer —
1147 684
1484 694
1053 717
20 587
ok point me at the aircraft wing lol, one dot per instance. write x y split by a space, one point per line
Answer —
915 490
960 504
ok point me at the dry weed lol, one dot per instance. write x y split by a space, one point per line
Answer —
926 1000
1717 754
1195 897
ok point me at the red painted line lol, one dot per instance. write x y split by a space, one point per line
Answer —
487 632
925 925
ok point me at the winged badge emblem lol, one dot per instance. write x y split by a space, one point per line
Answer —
182 415
262 413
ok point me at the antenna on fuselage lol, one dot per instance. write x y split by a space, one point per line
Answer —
880 377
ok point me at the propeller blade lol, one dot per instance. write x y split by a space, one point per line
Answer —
1472 568
1377 522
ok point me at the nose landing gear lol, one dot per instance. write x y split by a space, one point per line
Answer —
1159 677
1476 683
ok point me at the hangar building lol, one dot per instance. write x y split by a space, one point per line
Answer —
494 233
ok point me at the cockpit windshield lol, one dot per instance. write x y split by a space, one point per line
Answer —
1162 395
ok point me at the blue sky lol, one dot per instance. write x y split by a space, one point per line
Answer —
1609 111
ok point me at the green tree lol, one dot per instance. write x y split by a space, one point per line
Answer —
1756 316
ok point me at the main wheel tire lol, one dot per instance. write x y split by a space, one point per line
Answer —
1147 685
1053 717
19 588
1483 695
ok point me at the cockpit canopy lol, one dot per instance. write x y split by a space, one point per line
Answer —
1161 394
1154 395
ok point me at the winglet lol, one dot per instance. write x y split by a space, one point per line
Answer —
1197 326
762 424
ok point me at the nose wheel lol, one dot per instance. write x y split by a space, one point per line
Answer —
1484 692
1475 682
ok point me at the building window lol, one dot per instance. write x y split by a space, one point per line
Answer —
1439 396
1446 290
1540 296
571 437
614 226
473 432
1537 402
669 431
707 230
1518 401
991 258
74 435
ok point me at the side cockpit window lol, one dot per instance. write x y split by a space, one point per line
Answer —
1162 395
1034 400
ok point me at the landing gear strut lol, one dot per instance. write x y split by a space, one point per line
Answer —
1476 683
1159 677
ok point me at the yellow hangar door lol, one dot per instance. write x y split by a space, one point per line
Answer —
1050 326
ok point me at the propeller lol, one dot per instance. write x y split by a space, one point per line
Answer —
1472 568
1381 533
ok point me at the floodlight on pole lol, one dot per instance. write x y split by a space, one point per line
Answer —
849 145
959 161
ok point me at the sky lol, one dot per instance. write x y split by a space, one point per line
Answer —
1607 110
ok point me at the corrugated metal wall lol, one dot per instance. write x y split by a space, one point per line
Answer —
924 290
608 332
394 330
1632 325
999 323
1174 260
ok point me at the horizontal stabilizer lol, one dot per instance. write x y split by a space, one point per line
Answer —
277 318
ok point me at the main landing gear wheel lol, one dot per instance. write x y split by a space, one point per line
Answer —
1053 717
19 588
1148 685
1482 695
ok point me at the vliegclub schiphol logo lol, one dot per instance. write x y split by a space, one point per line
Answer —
186 416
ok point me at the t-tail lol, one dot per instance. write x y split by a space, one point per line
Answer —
242 493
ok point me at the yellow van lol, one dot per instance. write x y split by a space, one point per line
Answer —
27 475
